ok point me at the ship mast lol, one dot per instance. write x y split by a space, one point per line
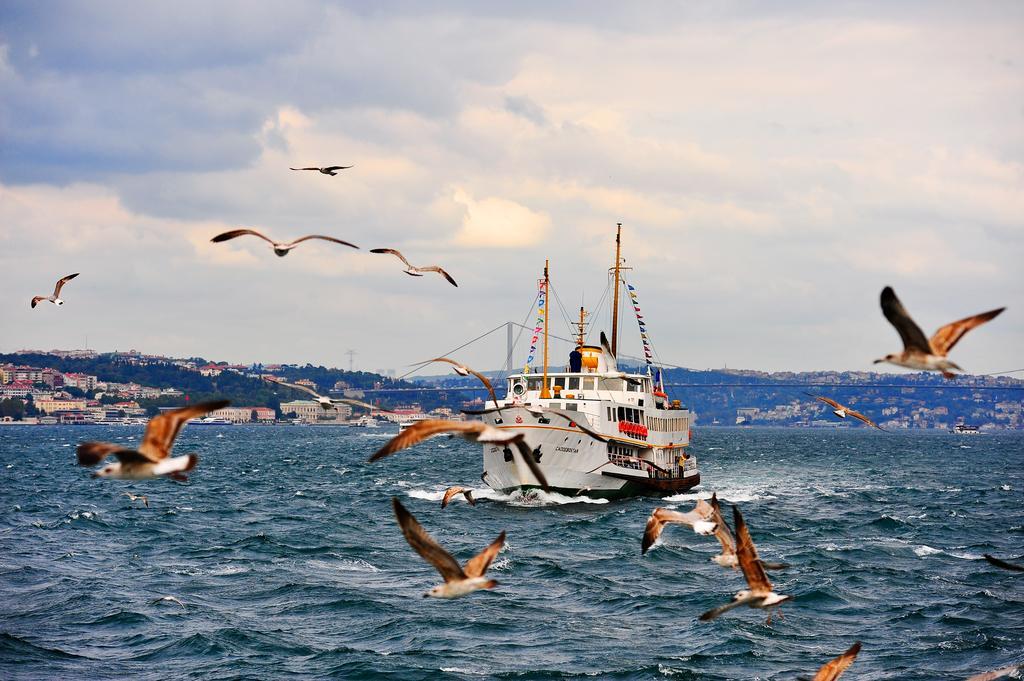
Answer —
615 284
545 394
580 327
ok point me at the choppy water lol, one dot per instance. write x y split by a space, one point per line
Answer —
285 553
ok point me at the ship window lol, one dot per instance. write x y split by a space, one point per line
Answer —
571 406
555 405
533 383
572 383
622 414
611 384
632 387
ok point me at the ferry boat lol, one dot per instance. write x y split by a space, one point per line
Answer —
643 434
964 429
415 418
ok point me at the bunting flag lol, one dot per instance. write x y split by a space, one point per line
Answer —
648 354
538 326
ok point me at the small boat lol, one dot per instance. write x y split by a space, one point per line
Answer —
210 421
964 429
415 418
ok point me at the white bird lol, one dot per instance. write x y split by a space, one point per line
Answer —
280 248
759 593
474 431
415 271
833 669
152 458
699 519
922 353
464 370
842 411
329 170
55 298
576 419
135 497
326 402
458 581
169 599
996 674
727 558
455 491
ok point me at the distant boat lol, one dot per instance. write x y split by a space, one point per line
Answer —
415 418
964 429
211 421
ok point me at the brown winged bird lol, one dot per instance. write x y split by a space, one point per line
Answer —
759 593
842 411
153 457
135 497
833 669
699 519
997 674
463 370
329 170
458 581
728 558
55 298
280 248
1003 564
456 491
922 353
415 271
474 431
325 402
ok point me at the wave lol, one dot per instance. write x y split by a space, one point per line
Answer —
533 497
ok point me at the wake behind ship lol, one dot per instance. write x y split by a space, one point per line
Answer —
643 435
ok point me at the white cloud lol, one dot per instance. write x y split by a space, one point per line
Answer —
494 222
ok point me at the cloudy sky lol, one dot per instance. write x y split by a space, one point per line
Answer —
773 170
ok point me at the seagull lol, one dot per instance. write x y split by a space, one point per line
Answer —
463 370
329 170
474 431
280 248
455 491
833 669
136 497
997 674
759 594
326 402
919 352
458 581
415 271
169 599
727 558
575 419
153 457
1003 564
842 411
55 298
699 519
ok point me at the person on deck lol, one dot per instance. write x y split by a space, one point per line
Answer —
576 361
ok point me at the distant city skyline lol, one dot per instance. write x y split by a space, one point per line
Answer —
773 168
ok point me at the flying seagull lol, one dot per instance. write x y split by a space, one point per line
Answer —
135 497
1003 564
169 599
575 419
153 457
55 298
280 248
699 519
454 492
415 271
458 581
919 352
842 411
833 669
759 594
325 402
463 370
997 674
329 170
474 431
727 558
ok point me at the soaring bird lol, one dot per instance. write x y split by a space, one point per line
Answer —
458 581
153 457
759 593
55 298
326 402
415 271
463 370
727 558
329 170
474 431
919 352
135 497
833 669
842 411
1003 564
997 674
575 419
699 519
280 248
456 491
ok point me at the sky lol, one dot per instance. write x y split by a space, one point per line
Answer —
774 166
